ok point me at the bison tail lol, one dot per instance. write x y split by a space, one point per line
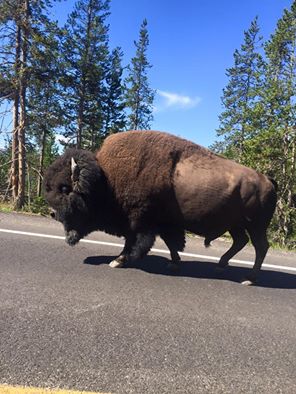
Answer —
207 242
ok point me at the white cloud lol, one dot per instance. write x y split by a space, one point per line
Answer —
176 101
61 138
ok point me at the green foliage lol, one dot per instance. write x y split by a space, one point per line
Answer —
115 118
38 205
240 97
4 170
59 82
44 92
258 121
85 59
72 84
139 96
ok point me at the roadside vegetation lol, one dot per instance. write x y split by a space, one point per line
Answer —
64 86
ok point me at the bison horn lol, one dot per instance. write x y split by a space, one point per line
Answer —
74 170
73 165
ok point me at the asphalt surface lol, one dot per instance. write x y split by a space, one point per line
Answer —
68 320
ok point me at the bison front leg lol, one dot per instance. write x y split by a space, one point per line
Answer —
174 265
135 248
120 261
123 258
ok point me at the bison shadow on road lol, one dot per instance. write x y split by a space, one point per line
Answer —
205 270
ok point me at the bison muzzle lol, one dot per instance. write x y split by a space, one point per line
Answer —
146 183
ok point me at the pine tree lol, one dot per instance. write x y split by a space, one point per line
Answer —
4 170
266 138
16 25
240 97
115 119
139 96
85 48
277 141
19 21
44 94
7 49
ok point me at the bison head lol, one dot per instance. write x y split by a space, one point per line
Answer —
74 185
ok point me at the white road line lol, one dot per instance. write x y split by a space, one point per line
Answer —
117 245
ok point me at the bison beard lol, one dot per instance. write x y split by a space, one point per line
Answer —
146 183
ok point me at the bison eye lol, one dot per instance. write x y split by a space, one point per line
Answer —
65 189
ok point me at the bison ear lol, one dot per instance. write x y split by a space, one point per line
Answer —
74 171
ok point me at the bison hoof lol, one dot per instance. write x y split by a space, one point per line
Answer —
116 264
247 282
173 267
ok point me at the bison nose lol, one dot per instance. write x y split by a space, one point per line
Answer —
52 214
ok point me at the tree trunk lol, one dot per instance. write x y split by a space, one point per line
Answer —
21 149
20 202
41 162
80 122
14 147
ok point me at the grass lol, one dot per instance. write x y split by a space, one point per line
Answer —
36 208
6 207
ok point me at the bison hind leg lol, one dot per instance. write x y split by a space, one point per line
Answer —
207 242
240 239
175 241
259 240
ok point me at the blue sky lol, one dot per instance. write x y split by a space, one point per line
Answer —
191 45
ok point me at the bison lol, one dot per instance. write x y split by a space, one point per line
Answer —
146 183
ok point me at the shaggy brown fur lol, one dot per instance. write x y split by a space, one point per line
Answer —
147 183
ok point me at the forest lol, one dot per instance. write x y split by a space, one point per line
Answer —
64 86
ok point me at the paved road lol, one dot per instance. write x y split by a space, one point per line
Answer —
68 320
